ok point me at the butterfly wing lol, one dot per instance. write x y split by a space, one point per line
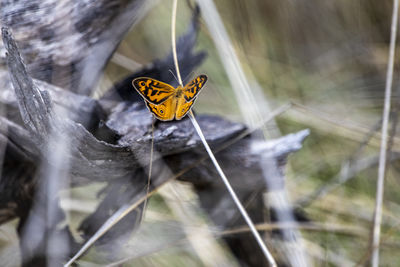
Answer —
191 89
183 107
153 91
164 111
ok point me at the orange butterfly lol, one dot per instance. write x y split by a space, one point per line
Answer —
165 101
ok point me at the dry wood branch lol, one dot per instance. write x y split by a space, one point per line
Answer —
118 155
68 43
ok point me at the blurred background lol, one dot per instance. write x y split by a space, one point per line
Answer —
328 59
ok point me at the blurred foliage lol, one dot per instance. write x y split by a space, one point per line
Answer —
330 56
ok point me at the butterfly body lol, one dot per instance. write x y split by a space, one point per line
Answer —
179 91
166 102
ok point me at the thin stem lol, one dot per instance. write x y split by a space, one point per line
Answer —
249 222
150 168
232 193
173 38
382 154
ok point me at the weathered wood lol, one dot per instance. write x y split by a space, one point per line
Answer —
109 140
68 43
34 105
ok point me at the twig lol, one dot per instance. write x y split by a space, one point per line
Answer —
150 168
348 128
317 227
312 227
257 236
382 154
348 170
232 193
389 233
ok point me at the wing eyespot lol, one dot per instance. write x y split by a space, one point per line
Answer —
142 83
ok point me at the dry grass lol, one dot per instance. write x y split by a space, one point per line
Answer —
327 58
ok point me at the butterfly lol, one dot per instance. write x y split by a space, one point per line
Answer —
165 101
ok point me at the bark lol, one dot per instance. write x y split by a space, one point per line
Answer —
109 139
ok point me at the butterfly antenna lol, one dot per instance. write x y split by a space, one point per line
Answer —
174 75
187 76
